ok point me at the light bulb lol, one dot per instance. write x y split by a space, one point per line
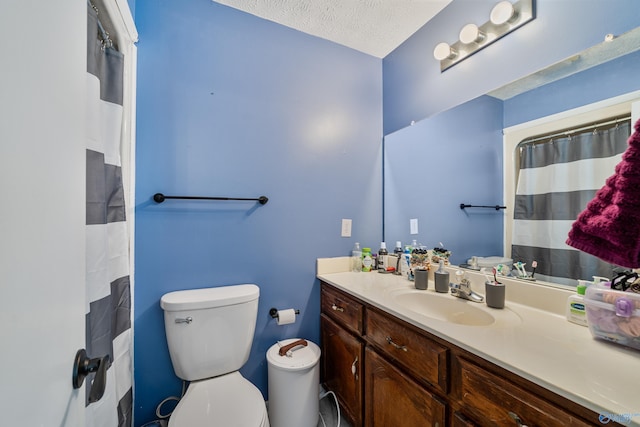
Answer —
443 51
502 13
470 33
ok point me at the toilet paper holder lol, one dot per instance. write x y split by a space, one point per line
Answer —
274 312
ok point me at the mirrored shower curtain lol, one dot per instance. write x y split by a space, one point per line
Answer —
108 310
558 176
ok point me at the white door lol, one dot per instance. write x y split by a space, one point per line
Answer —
42 212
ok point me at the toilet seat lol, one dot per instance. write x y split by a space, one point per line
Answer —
227 400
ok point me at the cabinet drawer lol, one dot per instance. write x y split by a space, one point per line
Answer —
494 401
342 308
424 358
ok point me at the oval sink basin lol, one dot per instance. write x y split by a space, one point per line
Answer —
447 308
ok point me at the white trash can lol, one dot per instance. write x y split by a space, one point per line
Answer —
294 383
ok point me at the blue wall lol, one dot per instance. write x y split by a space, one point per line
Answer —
430 168
233 105
414 87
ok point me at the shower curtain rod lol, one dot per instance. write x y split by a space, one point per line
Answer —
570 131
159 198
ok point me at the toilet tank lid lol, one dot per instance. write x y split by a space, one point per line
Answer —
195 299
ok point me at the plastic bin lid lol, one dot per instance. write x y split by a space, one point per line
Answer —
298 358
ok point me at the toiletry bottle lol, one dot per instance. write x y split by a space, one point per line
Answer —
398 249
575 306
397 252
405 265
441 278
382 256
366 259
356 258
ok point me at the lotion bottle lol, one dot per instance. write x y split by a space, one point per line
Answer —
576 312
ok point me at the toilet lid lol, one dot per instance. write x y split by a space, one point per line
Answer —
227 400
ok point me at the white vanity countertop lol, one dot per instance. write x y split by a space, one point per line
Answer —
530 337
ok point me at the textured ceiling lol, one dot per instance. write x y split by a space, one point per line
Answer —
375 27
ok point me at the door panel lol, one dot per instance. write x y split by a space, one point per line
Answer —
42 215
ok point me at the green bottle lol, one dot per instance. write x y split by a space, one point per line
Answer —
367 261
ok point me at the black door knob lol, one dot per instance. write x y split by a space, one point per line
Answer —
83 366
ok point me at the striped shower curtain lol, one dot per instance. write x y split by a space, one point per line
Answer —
558 177
108 310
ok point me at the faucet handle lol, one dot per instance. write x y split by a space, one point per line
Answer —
455 288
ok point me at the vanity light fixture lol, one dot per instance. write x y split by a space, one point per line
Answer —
504 18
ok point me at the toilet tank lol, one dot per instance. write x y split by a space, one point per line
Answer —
210 331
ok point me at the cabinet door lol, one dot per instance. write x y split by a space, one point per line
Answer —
342 355
394 399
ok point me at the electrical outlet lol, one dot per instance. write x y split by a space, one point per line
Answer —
413 226
346 228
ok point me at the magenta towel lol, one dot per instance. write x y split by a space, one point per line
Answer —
609 227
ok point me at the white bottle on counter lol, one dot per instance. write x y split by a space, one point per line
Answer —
576 312
405 263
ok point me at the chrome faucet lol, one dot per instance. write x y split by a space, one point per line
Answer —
462 289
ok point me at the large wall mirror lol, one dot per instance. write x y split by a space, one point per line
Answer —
467 155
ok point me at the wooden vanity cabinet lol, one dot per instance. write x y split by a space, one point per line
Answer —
387 372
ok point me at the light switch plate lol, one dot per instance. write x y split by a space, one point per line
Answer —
346 228
413 225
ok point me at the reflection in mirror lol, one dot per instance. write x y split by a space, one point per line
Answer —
557 175
613 107
460 156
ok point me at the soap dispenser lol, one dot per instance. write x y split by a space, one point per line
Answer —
441 278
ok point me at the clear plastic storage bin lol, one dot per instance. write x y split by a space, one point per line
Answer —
613 315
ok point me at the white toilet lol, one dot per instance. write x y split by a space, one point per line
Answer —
209 333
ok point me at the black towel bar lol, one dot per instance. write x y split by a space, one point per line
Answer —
159 198
496 207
